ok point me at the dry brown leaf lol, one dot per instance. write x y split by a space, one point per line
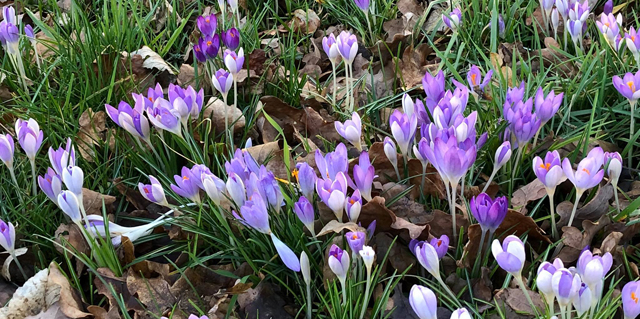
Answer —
440 223
414 64
92 132
304 21
398 255
216 110
186 76
574 240
515 304
154 293
60 291
262 152
264 299
335 226
93 202
528 193
388 221
610 243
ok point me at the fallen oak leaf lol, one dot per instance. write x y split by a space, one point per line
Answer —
597 207
528 193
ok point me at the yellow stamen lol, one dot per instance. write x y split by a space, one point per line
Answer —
208 42
545 166
294 173
631 86
184 178
634 297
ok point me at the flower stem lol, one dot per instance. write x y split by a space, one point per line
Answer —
397 172
493 174
575 207
235 105
34 187
453 213
615 195
479 256
15 181
344 291
517 161
424 172
369 26
455 298
554 228
535 138
226 118
309 305
632 104
366 293
526 293
335 83
24 275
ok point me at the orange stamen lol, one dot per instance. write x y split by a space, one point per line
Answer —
631 86
208 42
545 166
184 178
634 297
586 170
294 173
473 78
439 242
354 237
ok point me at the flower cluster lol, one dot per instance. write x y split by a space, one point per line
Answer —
345 47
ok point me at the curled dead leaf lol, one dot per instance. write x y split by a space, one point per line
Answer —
388 221
597 207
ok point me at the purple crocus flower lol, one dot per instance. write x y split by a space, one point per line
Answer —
332 163
355 241
403 129
452 20
29 136
423 302
68 203
608 7
306 178
62 157
583 299
593 269
544 279
198 51
9 14
192 316
73 178
254 214
347 46
549 171
450 161
391 151
461 313
510 255
614 168
236 189
363 175
164 117
441 245
502 156
9 32
7 149
339 263
304 210
630 299
351 130
628 86
207 24
333 193
186 185
7 236
408 106
580 11
524 123
242 164
130 119
153 192
233 61
474 76
565 286
609 27
231 38
330 48
214 187
575 30
514 95
268 187
153 93
353 205
589 172
632 39
192 100
546 107
428 257
222 81
28 32
362 4
51 184
288 257
433 88
210 45
489 213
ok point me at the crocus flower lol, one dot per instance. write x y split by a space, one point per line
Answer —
609 27
461 313
403 129
368 256
390 150
222 81
265 183
210 45
236 189
231 38
153 192
347 46
339 263
362 4
306 178
608 7
408 106
632 39
9 14
524 123
186 185
593 269
582 300
7 236
51 184
304 210
233 4
452 20
254 214
332 163
549 171
510 255
433 88
68 203
356 241
441 245
333 193
198 52
489 213
428 258
514 95
423 302
502 156
164 117
474 76
288 257
28 32
7 149
192 99
130 119
29 136
544 282
565 286
575 30
451 161
363 175
630 296
214 187
589 172
614 160
242 164
62 157
9 33
351 130
628 86
192 316
233 61
328 44
555 20
73 178
353 205
546 107
207 24
305 267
